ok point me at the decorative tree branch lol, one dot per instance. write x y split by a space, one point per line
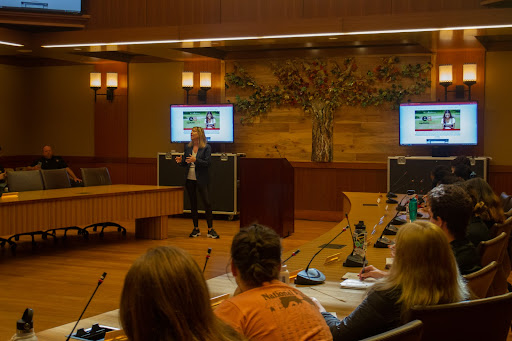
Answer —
321 87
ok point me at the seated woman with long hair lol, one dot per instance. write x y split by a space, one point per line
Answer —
165 298
264 308
487 203
424 272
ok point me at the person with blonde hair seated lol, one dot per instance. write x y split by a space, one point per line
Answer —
424 272
166 298
264 308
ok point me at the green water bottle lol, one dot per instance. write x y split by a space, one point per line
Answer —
413 209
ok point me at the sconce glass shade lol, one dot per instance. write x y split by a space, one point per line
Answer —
187 79
445 74
95 80
111 79
469 73
205 80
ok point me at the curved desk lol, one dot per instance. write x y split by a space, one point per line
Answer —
362 206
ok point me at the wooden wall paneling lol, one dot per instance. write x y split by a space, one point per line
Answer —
116 13
142 171
211 65
457 58
239 11
500 179
407 6
111 118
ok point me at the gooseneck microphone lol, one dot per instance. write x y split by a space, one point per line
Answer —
313 276
208 254
293 254
102 278
391 194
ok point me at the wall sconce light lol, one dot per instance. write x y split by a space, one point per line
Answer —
446 79
95 84
205 84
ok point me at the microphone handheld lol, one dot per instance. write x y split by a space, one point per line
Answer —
293 255
102 278
313 276
208 254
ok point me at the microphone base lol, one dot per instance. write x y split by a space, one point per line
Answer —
311 277
398 221
391 195
383 243
391 201
401 208
390 230
355 261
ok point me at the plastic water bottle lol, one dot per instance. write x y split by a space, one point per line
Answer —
25 327
284 275
413 209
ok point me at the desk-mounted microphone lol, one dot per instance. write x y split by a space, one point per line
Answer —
208 254
313 276
293 255
102 278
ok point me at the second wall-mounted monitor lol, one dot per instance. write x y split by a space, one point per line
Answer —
439 123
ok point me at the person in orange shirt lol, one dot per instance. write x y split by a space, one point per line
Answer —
264 308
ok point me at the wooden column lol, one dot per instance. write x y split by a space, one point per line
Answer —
111 124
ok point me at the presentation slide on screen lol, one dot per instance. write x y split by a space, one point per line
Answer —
217 122
52 5
438 123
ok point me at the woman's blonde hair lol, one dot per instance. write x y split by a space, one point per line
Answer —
202 137
424 268
165 297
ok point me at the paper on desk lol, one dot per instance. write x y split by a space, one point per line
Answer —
355 276
356 284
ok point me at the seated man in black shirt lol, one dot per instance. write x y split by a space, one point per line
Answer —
50 161
450 208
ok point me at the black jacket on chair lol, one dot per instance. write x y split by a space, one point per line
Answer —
202 163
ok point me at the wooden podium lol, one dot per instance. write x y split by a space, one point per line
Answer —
267 194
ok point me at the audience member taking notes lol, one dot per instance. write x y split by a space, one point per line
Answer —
264 308
424 273
165 298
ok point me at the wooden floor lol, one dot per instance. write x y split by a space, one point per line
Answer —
57 280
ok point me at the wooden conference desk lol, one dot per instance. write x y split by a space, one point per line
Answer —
361 206
149 206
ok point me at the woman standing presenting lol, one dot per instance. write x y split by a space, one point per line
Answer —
197 160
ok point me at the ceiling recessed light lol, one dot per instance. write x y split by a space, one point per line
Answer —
24 51
333 38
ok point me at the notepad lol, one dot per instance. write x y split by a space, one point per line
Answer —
356 284
355 276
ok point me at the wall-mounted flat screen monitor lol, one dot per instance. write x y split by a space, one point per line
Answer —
65 6
439 123
215 119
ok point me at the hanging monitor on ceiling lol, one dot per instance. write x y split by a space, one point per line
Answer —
58 6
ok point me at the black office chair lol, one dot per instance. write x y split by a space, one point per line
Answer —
55 179
23 181
411 331
99 177
482 319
